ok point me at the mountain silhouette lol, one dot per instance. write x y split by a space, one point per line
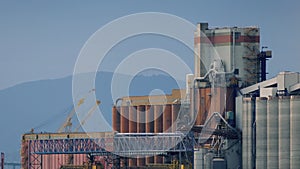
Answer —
44 105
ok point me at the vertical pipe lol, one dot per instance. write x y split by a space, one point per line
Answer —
250 121
175 111
132 129
132 119
201 107
284 132
194 110
116 119
149 127
141 119
149 119
230 99
167 117
245 134
124 119
233 50
198 113
158 127
192 99
207 103
272 137
261 133
295 132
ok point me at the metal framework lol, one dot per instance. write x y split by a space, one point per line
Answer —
121 144
67 146
150 144
213 127
129 145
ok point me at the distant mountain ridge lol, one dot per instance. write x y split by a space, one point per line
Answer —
44 104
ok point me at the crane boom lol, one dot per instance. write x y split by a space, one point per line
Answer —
89 114
67 125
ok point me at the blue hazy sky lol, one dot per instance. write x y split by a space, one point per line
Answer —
42 39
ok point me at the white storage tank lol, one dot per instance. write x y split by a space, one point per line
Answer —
245 133
199 158
208 160
261 133
295 132
250 120
284 132
272 136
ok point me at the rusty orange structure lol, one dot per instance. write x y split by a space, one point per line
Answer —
159 113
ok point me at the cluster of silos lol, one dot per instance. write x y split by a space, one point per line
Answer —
145 119
141 118
271 132
203 159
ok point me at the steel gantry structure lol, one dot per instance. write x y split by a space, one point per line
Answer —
116 145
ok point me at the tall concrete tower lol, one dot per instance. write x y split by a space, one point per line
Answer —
238 48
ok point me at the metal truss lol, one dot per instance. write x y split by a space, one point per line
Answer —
213 127
215 131
69 146
35 160
143 144
121 144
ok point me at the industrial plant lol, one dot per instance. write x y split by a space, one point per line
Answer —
229 116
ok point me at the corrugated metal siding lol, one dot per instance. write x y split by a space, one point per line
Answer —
284 132
272 137
261 133
295 132
277 132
